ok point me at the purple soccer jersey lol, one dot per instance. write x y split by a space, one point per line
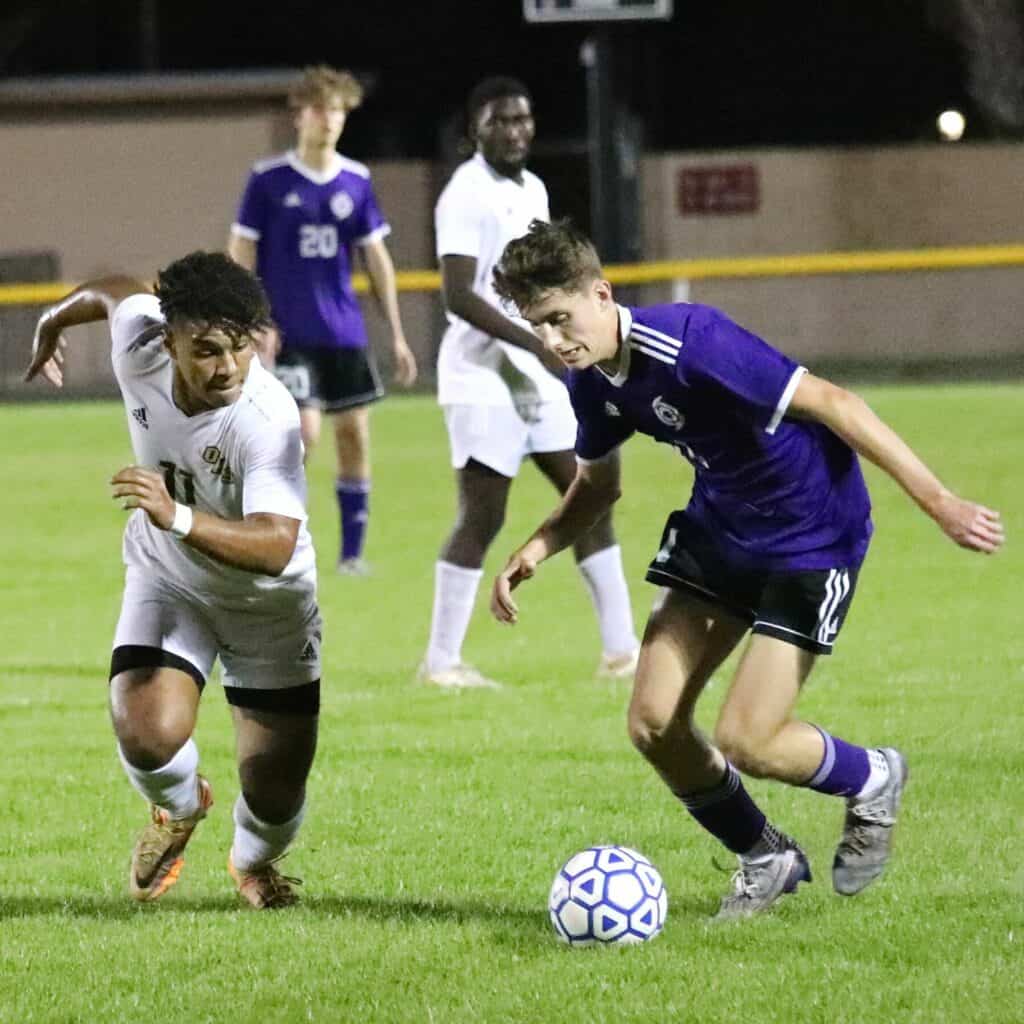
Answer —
772 493
305 225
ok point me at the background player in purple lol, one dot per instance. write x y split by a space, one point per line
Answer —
771 542
301 217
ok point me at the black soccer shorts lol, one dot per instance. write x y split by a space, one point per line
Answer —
332 379
806 608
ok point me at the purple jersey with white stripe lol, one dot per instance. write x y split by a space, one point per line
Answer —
772 493
305 224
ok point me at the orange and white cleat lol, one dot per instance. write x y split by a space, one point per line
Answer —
159 853
265 888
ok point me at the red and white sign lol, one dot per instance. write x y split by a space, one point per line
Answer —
720 189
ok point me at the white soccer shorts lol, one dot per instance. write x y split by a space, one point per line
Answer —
272 644
501 436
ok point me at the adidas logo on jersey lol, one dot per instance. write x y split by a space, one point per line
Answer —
293 199
610 409
139 415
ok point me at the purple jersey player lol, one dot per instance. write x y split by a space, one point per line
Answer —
302 217
770 542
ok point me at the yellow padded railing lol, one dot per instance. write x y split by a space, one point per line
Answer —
795 265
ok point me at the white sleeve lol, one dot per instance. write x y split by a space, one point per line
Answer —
457 222
273 478
137 332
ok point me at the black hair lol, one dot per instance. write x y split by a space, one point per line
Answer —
494 88
210 289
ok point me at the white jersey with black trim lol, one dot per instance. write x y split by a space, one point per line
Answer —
478 214
240 459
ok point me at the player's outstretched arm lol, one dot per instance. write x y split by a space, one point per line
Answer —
92 301
261 542
381 271
592 493
970 525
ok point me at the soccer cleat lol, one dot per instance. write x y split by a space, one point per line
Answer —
866 843
159 851
618 666
762 881
354 567
458 677
265 887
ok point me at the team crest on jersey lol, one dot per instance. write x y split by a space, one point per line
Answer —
218 463
341 205
293 199
668 414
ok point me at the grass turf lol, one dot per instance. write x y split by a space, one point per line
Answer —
436 821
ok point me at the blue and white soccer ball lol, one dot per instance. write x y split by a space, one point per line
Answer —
607 894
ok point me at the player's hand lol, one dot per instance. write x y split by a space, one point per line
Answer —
520 567
138 487
267 343
970 525
48 346
404 363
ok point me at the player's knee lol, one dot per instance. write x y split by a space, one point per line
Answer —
151 744
476 529
647 727
745 750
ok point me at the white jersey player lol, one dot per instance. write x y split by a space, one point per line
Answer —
218 561
500 402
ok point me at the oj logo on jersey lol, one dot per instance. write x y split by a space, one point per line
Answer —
218 463
668 414
341 205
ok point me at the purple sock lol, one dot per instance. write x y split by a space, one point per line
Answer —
728 812
843 770
354 505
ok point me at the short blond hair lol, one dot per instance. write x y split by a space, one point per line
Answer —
320 84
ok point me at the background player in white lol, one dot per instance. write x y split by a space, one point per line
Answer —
303 216
500 403
219 562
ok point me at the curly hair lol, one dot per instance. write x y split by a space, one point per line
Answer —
549 257
320 84
210 289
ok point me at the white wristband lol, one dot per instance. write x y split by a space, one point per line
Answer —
182 524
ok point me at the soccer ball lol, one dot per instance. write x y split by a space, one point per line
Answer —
607 894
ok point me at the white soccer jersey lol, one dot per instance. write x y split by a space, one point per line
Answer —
478 214
243 458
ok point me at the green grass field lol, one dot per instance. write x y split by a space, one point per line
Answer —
436 821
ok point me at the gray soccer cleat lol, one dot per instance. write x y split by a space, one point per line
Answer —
866 842
762 881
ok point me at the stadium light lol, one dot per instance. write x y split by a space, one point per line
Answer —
951 125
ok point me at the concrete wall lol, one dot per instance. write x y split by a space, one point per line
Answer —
133 193
130 190
830 200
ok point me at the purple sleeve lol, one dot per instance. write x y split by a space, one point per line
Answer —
252 210
597 432
368 222
759 379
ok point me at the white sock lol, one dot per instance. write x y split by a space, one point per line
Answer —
454 593
606 582
878 776
257 843
174 787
